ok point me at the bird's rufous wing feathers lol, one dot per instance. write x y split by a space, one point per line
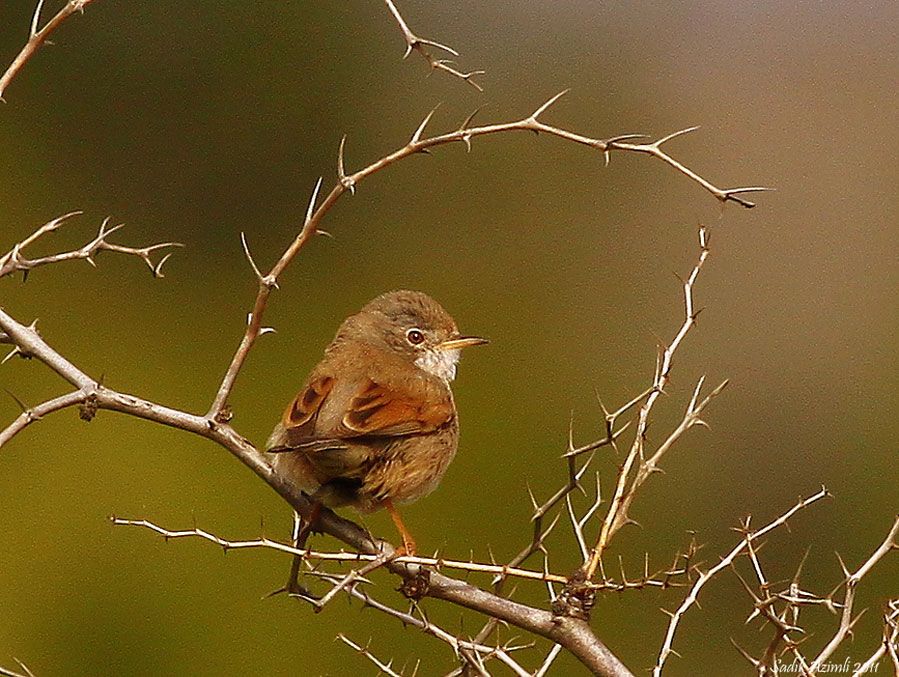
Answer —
379 410
373 410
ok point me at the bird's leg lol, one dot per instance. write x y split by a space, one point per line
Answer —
409 548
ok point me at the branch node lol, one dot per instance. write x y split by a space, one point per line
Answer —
345 181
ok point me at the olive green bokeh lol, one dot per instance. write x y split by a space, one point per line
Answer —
196 121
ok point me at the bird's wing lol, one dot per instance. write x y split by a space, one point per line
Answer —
382 410
305 407
297 427
389 408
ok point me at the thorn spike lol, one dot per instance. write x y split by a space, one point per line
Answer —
537 113
310 210
424 123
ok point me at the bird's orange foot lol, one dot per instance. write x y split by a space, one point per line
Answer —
408 548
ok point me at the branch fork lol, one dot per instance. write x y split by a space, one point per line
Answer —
38 37
421 45
15 261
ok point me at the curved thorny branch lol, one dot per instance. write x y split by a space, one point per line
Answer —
316 211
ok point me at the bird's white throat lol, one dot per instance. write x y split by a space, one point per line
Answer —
441 363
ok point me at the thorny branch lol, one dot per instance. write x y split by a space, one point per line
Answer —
541 533
850 582
573 634
890 644
660 579
789 634
578 593
38 36
704 577
6 672
15 261
386 668
785 623
627 485
33 414
315 212
425 625
420 45
585 587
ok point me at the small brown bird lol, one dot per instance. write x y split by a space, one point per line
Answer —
375 425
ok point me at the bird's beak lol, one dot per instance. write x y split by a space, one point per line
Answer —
462 342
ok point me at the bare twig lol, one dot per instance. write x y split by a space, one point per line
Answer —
386 668
765 608
726 561
548 661
785 622
38 36
849 583
6 672
574 475
627 485
889 645
32 414
436 563
424 624
14 260
420 45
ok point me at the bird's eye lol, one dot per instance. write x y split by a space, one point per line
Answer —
415 336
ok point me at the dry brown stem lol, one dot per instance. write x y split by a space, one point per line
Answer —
15 261
749 536
628 484
420 45
38 36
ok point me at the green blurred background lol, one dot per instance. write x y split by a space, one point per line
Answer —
196 121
